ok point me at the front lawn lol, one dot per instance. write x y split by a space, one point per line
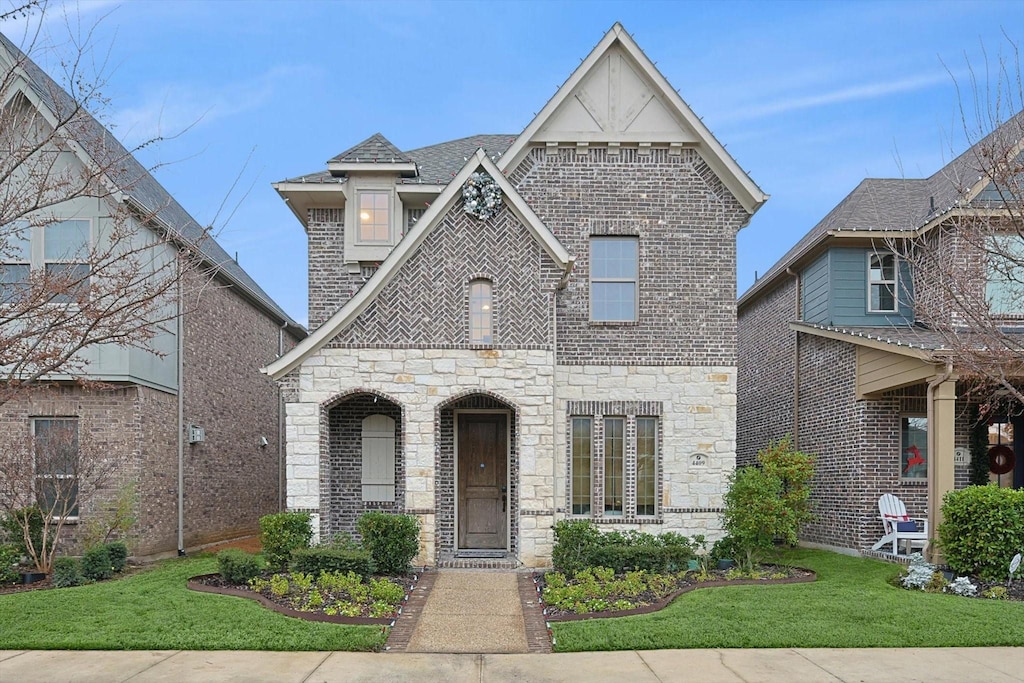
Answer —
850 605
153 610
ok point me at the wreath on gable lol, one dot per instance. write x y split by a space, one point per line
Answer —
482 196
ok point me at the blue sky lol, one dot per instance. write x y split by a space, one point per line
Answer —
808 97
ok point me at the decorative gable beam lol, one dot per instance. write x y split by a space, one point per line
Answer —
618 95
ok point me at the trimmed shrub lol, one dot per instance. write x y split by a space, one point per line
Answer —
118 552
327 559
10 555
580 545
96 564
283 532
67 572
983 529
237 566
393 540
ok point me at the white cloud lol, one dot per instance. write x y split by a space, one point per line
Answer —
172 108
847 94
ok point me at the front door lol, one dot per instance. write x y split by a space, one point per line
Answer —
483 480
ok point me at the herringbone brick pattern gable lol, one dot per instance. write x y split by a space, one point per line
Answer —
426 304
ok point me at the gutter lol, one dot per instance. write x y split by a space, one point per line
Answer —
563 282
181 418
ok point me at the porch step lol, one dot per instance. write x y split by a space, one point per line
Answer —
500 562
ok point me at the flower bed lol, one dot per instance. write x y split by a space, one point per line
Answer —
599 593
331 597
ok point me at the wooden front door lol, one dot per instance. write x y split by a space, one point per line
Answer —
483 480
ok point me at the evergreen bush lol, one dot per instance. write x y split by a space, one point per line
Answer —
67 572
237 566
983 529
329 559
96 564
283 532
393 540
118 552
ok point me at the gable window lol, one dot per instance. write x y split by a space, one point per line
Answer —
882 282
614 269
15 262
581 465
378 461
914 448
56 461
374 217
481 312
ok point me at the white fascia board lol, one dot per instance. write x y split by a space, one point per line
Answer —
412 188
858 340
371 166
746 191
292 193
404 251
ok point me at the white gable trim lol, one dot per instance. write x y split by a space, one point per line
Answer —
408 246
739 183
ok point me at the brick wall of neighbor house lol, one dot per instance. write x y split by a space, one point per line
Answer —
108 427
330 283
764 402
158 472
230 481
686 221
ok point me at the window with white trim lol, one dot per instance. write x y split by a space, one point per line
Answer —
883 279
57 461
614 278
61 250
913 448
481 312
15 261
378 458
374 217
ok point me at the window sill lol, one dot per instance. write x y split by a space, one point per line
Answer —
913 482
614 323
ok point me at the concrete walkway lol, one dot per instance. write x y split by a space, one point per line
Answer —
932 665
471 612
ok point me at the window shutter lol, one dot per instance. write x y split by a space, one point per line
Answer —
378 477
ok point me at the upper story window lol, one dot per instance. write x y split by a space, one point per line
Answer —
481 312
374 217
60 250
1004 287
614 273
882 283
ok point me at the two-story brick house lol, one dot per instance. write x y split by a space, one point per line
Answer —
516 329
190 422
858 355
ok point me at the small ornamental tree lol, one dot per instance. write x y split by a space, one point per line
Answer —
768 501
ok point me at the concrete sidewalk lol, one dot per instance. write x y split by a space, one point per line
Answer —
927 665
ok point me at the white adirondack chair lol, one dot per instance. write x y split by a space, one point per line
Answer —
894 515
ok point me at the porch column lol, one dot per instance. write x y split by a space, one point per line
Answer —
941 437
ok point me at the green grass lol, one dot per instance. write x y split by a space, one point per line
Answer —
850 605
153 610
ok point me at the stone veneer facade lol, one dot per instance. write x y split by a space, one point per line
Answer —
409 347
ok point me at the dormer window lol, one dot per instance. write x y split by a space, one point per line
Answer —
374 217
882 281
481 312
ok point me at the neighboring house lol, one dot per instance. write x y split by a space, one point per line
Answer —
511 330
834 348
197 422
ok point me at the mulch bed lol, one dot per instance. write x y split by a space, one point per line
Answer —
685 583
213 583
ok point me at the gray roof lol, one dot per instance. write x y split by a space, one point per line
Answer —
374 149
436 164
896 204
917 337
141 187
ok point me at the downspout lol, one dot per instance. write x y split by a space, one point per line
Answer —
563 282
181 417
280 424
933 450
796 362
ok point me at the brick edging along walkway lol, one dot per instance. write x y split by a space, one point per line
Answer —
538 640
405 624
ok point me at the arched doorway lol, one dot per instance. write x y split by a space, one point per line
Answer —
477 477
